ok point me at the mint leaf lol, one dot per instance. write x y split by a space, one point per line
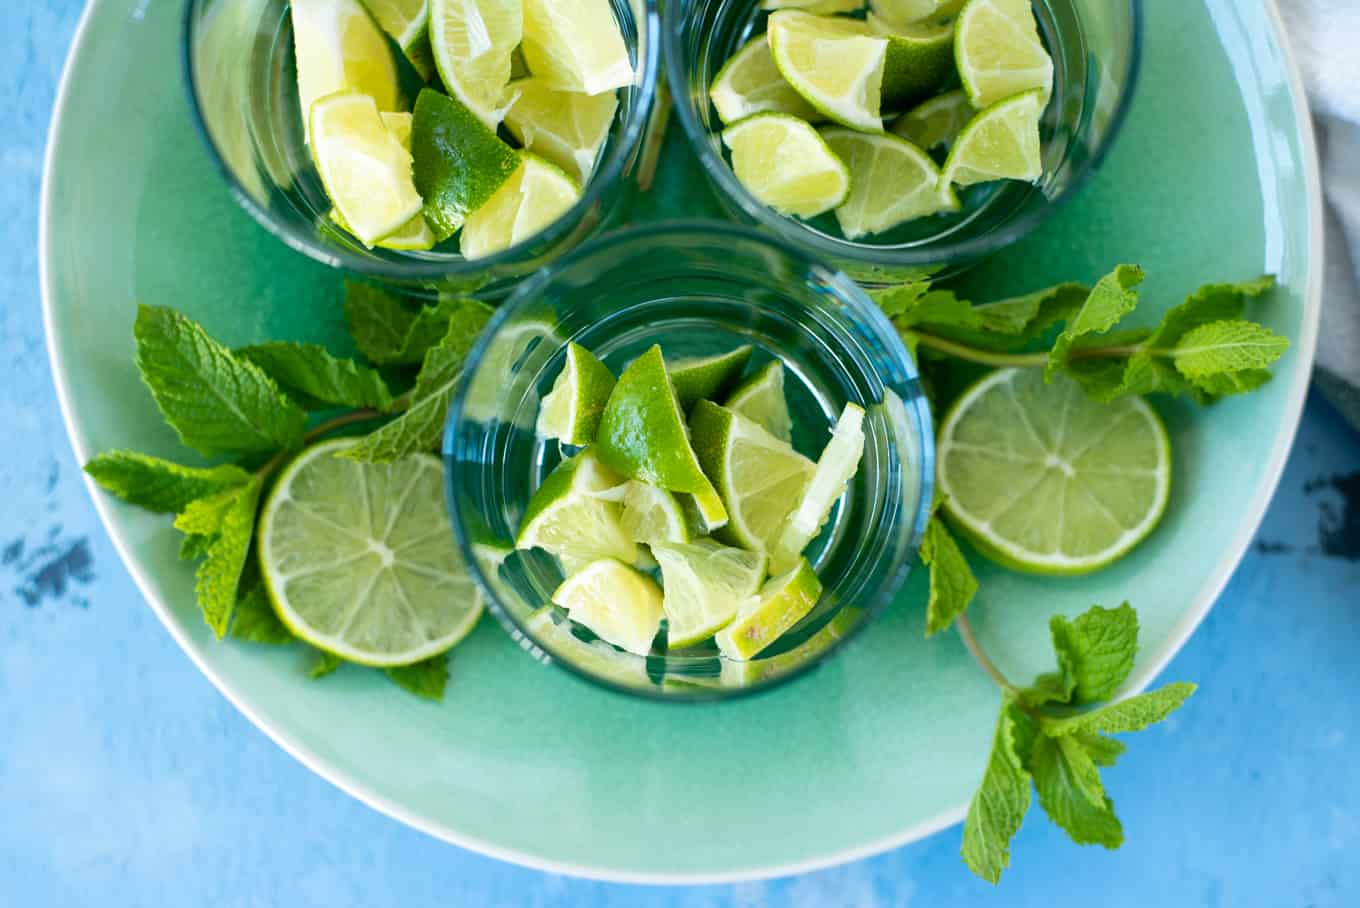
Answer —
431 327
217 403
324 664
255 620
1026 317
195 546
424 679
159 485
998 807
1096 650
1210 303
205 516
1070 792
1053 687
899 300
219 576
378 321
1103 751
317 379
1211 387
1112 298
1227 347
1133 714
952 584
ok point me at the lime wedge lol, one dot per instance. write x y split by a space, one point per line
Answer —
908 12
618 604
566 128
935 123
764 618
999 143
472 42
576 45
820 7
836 64
787 165
837 465
745 674
698 377
359 559
761 479
571 410
565 518
339 48
704 584
761 399
1046 481
366 172
532 199
920 58
749 83
408 24
459 163
998 52
891 182
415 234
651 515
597 656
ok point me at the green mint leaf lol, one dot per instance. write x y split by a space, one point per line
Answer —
317 379
431 327
1096 650
1225 384
1026 317
378 321
324 664
1054 687
217 403
1210 303
1070 792
1133 714
424 679
159 485
1227 347
1146 374
952 584
1102 380
255 620
195 546
998 807
901 299
1112 298
1103 751
206 516
219 576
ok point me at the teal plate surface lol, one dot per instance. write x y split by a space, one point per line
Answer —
1213 179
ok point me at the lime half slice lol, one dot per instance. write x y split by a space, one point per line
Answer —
764 618
1046 481
749 83
576 45
835 468
618 604
359 559
704 585
836 64
707 377
339 48
891 182
533 199
998 52
567 519
787 165
761 399
472 42
1000 143
566 128
935 123
571 410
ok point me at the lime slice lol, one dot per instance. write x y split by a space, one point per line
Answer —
920 58
566 128
998 52
836 64
618 604
339 48
707 377
576 45
650 515
415 234
642 435
764 618
597 656
787 165
761 479
359 558
704 584
749 83
820 7
999 143
891 182
366 172
761 399
533 199
459 163
565 518
571 410
837 465
472 42
908 12
1046 481
408 24
937 122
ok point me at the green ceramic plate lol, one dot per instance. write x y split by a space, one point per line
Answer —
1214 177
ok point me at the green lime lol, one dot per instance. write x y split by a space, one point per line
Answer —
891 182
749 83
408 24
937 122
472 42
764 618
597 656
566 518
707 377
338 48
1046 481
650 515
787 165
571 410
459 163
909 12
761 479
530 201
819 7
745 674
999 143
642 436
415 234
576 45
836 64
359 559
998 52
761 399
704 583
618 604
835 468
566 128
920 58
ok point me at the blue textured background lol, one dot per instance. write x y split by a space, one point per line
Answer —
125 779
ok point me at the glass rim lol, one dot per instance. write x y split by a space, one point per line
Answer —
862 309
720 174
453 266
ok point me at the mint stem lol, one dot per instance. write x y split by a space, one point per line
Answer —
970 641
324 428
1024 360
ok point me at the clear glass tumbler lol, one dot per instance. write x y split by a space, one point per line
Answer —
242 80
1095 45
696 288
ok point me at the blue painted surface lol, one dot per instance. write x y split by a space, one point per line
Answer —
126 779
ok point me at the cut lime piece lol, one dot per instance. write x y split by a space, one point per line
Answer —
597 656
920 58
566 128
408 24
359 559
704 584
835 468
571 410
707 377
531 200
576 45
338 48
891 182
459 163
757 671
998 52
399 124
787 165
749 83
1046 481
642 435
366 171
761 399
650 515
836 64
416 234
909 12
566 518
937 122
472 42
764 618
999 143
618 604
761 479
819 7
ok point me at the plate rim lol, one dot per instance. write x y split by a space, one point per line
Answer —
1207 597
